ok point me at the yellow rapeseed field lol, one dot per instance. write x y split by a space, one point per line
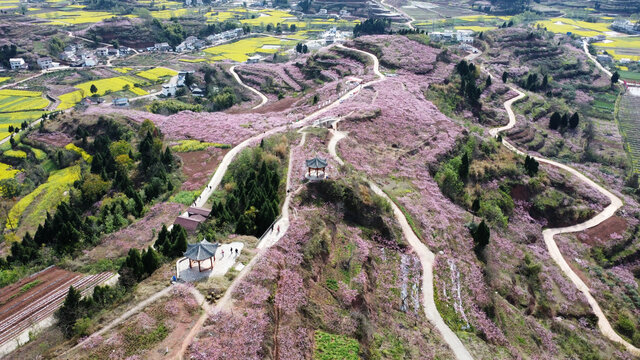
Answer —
157 73
48 196
241 50
22 103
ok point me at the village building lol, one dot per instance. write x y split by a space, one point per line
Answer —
45 63
121 102
193 217
18 64
102 52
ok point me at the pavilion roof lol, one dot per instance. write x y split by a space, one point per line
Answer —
201 251
316 163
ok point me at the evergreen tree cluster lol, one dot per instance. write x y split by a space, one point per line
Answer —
172 243
69 229
468 88
253 204
302 48
371 27
533 82
531 165
558 121
75 308
138 265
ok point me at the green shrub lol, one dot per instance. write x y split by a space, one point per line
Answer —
172 106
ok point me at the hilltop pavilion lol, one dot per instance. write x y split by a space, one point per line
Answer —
200 252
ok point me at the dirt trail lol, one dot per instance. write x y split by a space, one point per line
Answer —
424 254
548 234
232 70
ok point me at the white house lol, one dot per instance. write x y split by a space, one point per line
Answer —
88 62
168 90
624 26
18 64
464 36
322 12
625 61
103 51
45 63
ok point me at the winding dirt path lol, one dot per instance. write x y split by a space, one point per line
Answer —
548 234
232 70
424 254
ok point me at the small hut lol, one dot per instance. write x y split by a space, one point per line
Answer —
200 252
316 164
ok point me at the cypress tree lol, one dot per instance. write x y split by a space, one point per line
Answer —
161 242
574 120
554 121
564 122
463 170
475 207
180 245
481 237
69 312
150 261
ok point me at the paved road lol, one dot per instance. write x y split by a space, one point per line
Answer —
548 234
232 70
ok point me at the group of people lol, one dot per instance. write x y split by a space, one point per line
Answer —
231 252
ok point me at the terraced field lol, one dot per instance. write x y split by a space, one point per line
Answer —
629 120
38 296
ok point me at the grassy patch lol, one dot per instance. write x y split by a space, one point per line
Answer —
332 346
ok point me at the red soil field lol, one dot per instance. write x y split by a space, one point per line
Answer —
36 297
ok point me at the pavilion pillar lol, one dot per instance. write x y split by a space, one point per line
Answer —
190 264
211 259
199 269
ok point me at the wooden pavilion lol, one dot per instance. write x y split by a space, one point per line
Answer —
316 164
200 252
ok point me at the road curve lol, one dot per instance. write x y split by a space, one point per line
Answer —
232 70
426 260
548 234
226 160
